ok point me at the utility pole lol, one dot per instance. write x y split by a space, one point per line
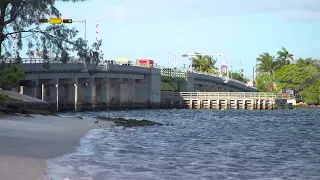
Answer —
227 67
169 59
253 81
85 30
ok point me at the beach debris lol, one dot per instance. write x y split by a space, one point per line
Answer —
11 109
129 122
96 121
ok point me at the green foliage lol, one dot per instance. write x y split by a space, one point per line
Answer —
311 94
64 57
10 74
90 55
268 64
2 98
204 63
239 77
284 58
18 19
302 75
265 63
291 76
265 83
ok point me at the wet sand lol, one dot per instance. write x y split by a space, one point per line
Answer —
27 142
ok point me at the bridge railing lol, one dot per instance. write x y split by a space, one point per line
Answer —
122 68
37 60
182 73
166 72
222 95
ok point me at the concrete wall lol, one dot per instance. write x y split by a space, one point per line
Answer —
201 82
82 88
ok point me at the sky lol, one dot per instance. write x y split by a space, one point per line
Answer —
240 29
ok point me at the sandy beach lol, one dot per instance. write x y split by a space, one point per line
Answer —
27 142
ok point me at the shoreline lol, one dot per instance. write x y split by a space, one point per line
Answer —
28 142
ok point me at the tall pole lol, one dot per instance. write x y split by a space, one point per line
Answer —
169 59
175 60
253 82
227 67
85 30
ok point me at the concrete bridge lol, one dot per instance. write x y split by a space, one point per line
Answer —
75 84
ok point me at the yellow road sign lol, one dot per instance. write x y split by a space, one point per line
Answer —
55 20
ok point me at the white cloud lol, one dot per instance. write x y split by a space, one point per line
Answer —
302 16
178 10
142 10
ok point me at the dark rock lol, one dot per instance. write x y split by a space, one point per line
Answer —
96 121
129 122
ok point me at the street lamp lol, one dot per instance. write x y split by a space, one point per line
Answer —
75 97
57 88
254 71
42 92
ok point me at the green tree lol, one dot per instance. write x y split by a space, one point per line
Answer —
284 58
239 77
10 74
311 94
204 63
265 63
265 83
64 57
309 61
293 75
93 55
18 18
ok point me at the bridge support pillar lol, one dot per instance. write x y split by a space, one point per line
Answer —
119 92
35 89
112 93
56 91
88 91
154 81
92 95
105 92
72 94
131 91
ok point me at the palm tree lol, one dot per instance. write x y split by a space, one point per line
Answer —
203 63
284 58
266 63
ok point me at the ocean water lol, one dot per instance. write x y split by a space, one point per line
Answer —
199 145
